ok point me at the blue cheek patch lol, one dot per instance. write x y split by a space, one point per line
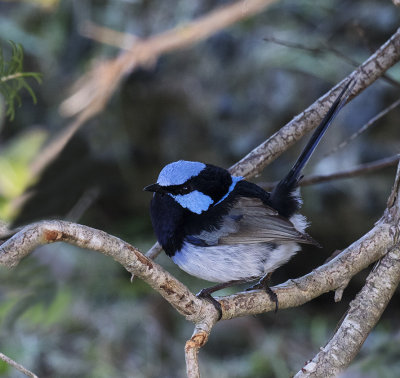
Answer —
195 201
235 180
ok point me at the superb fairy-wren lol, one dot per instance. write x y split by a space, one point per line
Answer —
225 229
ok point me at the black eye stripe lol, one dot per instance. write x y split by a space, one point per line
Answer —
179 189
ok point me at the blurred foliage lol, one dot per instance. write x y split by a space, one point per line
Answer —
65 312
13 79
15 175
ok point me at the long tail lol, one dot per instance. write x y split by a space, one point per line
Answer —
283 197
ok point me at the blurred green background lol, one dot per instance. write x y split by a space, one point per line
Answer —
66 312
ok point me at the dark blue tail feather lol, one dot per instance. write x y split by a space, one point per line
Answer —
283 197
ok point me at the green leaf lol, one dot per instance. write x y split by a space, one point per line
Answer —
13 79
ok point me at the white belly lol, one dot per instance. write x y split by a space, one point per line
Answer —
223 263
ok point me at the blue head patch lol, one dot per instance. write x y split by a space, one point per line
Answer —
179 172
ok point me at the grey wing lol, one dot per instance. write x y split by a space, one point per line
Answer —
251 221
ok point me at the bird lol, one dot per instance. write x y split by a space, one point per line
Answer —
224 229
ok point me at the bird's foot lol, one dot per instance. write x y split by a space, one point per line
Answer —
205 294
264 284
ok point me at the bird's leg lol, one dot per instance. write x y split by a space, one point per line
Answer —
206 293
263 283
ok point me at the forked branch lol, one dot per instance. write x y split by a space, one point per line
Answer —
335 274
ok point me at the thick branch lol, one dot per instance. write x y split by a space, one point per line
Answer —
335 274
32 236
364 312
328 277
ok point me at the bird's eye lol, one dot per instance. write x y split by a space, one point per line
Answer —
185 189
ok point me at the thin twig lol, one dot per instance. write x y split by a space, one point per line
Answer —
364 128
84 202
17 366
17 75
192 347
358 170
324 48
347 173
296 45
108 36
154 251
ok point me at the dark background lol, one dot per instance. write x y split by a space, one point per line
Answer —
74 313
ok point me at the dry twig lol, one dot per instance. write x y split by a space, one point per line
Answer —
347 173
365 127
18 366
324 48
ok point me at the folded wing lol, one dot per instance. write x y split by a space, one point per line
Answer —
251 221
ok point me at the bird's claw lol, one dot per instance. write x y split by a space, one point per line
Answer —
204 294
262 284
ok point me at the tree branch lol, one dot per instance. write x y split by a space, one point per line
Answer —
326 47
331 276
365 127
358 170
363 314
34 235
17 366
347 173
366 309
374 67
335 274
328 277
192 347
